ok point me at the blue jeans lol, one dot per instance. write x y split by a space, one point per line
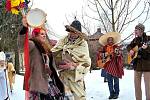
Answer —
113 84
103 73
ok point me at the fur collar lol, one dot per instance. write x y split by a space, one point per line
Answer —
44 47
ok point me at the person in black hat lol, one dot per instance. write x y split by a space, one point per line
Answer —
76 61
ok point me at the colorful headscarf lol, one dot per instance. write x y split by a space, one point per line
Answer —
36 31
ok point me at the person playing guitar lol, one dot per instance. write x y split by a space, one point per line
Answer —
113 61
142 61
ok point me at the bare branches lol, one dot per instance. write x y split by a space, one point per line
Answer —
119 13
104 11
125 17
135 6
107 4
100 16
93 4
85 25
147 13
136 16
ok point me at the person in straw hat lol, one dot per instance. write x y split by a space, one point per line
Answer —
114 61
75 63
141 63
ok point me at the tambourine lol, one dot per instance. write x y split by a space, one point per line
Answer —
36 17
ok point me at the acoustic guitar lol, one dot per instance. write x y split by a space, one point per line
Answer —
131 58
104 58
136 50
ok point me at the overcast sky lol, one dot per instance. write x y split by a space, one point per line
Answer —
58 10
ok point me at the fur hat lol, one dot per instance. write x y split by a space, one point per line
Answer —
76 28
115 35
77 25
140 27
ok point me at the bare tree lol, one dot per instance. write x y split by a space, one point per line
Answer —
116 15
85 22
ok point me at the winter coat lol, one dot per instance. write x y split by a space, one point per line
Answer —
38 80
142 62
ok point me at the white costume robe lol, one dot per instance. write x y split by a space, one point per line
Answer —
3 78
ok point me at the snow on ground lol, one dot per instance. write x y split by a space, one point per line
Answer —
95 87
18 92
98 90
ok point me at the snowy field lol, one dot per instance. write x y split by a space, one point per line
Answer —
98 90
95 87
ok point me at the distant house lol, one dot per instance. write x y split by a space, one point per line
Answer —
94 45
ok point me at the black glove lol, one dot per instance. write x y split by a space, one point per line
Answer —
23 30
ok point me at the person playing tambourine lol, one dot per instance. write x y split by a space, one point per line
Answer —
43 83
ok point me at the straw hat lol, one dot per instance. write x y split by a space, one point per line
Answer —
115 35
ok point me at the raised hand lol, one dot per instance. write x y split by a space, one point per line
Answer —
24 21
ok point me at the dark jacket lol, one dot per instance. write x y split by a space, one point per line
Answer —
38 77
142 62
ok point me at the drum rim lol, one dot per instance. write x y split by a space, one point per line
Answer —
43 20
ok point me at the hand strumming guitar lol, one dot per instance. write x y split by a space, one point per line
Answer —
144 46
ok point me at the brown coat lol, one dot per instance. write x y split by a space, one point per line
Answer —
38 80
143 62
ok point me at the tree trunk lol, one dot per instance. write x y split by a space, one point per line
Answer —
17 65
113 22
